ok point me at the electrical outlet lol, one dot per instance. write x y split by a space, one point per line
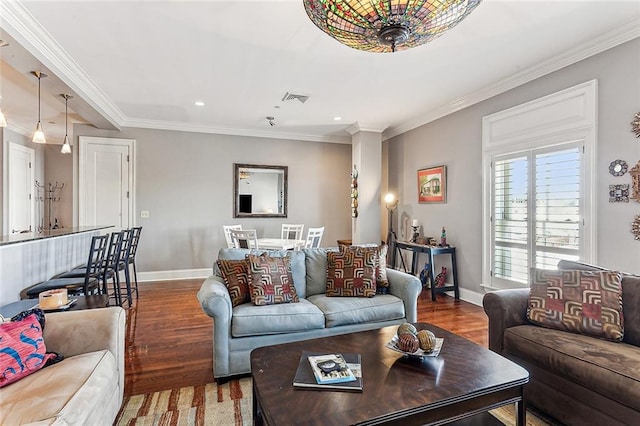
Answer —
144 214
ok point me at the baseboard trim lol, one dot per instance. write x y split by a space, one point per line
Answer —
181 274
471 296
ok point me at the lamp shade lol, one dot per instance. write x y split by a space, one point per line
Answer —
38 134
387 25
66 147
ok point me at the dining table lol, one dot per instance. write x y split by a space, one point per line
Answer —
279 244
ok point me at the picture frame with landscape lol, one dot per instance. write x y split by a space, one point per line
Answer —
432 184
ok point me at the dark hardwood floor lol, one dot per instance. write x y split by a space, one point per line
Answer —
169 338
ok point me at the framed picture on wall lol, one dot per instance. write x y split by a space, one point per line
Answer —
432 185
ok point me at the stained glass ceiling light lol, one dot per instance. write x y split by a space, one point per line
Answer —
387 25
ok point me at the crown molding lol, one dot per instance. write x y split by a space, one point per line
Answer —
366 127
622 34
24 28
198 128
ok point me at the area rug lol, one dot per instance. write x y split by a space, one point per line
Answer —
227 404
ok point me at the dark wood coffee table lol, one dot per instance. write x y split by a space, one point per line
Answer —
464 380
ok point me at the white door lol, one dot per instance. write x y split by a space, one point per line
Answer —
21 185
105 182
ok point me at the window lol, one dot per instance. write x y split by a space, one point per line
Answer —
536 210
538 169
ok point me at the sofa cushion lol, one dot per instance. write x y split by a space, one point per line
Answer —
298 269
316 268
352 272
250 320
270 280
22 349
356 310
578 301
235 274
609 368
74 391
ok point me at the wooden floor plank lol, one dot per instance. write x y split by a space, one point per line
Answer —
169 342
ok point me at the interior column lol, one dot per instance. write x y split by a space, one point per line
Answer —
366 153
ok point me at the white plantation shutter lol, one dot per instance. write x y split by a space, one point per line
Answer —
536 211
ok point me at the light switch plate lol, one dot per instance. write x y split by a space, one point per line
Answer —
144 214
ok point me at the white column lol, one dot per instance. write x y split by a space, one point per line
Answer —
366 154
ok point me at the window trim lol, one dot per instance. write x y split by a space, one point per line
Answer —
562 118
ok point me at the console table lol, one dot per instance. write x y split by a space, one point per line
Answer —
431 251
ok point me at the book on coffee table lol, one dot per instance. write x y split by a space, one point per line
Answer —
345 375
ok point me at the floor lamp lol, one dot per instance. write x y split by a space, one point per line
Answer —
391 203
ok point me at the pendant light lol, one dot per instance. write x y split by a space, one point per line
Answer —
38 134
66 147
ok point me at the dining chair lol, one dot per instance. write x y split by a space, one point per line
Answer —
227 233
247 239
314 236
86 284
292 232
123 266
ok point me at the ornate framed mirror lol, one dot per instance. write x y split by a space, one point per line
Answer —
259 190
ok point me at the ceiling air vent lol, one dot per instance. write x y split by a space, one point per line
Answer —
293 96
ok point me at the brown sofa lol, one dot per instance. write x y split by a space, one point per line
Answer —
576 379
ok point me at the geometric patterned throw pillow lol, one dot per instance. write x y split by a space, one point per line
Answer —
270 280
352 272
584 302
22 349
235 274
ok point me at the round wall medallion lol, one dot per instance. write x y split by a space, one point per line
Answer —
635 125
635 227
618 167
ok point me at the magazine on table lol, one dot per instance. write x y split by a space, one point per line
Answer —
329 371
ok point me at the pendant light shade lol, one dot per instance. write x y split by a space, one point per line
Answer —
387 25
38 134
66 146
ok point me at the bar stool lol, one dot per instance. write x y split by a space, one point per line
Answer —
135 239
123 265
85 284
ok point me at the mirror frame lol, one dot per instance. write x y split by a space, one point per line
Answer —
236 186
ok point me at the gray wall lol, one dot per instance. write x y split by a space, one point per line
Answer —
185 181
456 141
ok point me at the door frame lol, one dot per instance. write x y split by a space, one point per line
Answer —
83 143
7 185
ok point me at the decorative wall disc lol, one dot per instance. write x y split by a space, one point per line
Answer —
619 193
635 125
635 227
618 167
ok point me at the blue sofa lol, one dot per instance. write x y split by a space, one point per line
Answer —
240 329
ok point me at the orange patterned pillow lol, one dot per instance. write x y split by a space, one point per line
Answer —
271 281
584 302
235 274
352 272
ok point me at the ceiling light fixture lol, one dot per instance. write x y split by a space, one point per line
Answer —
198 103
3 120
387 25
66 146
270 120
38 134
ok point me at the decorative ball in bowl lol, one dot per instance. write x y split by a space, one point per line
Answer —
415 340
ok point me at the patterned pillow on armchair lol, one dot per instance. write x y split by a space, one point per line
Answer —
578 301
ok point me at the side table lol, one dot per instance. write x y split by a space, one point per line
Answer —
432 251
83 302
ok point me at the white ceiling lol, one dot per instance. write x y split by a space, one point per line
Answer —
144 63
